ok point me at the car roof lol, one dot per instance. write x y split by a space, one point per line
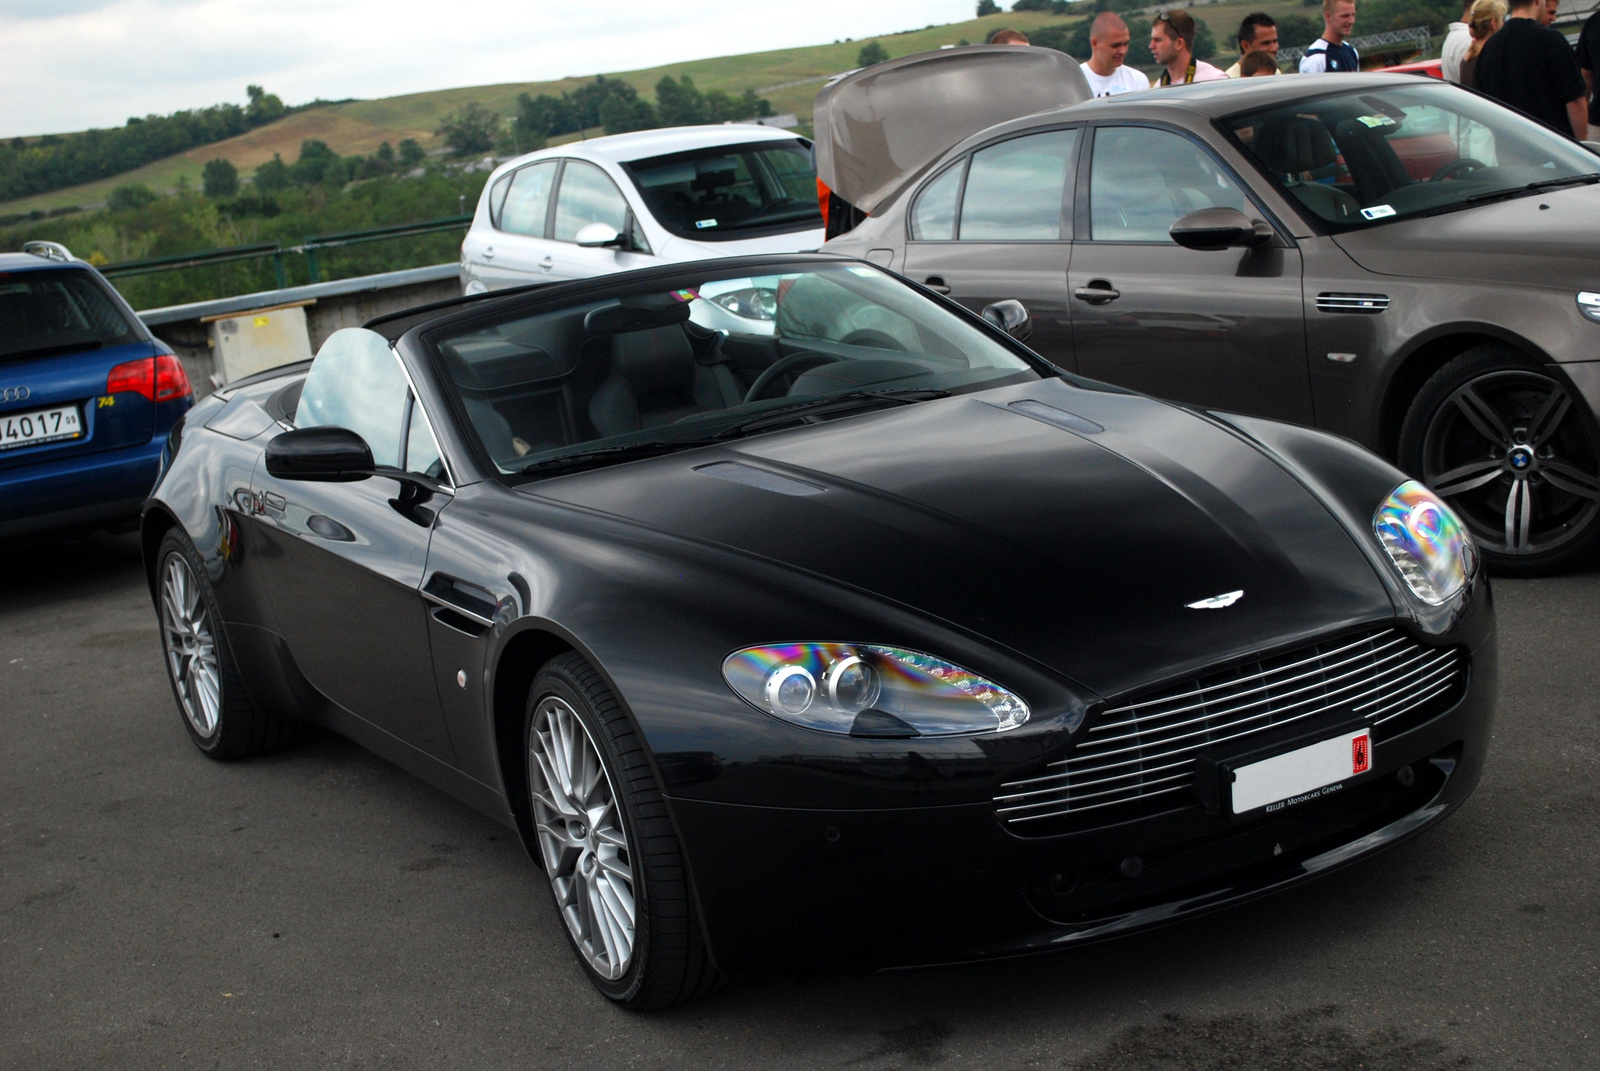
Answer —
643 144
31 262
1226 96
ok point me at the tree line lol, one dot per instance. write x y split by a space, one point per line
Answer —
57 161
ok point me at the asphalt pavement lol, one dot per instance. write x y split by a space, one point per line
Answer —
318 908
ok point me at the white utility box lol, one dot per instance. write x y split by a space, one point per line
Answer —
244 343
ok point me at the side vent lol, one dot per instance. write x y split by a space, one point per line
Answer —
1367 303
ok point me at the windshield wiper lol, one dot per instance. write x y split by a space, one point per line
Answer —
606 455
1534 187
830 404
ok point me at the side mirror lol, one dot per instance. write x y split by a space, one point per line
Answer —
1010 316
1211 229
598 236
326 455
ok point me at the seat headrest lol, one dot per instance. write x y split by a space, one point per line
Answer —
636 314
1295 144
653 361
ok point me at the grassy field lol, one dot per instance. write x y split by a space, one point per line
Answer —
789 78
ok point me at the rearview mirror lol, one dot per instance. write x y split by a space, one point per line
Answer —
598 236
1010 316
1211 229
325 455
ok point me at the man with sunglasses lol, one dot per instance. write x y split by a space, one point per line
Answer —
1172 45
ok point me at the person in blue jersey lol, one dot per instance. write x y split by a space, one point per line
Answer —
1332 52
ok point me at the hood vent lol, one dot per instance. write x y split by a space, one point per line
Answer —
1368 303
750 476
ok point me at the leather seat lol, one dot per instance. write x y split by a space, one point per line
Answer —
654 380
1293 146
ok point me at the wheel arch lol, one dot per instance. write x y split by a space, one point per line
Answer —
1426 355
518 663
153 527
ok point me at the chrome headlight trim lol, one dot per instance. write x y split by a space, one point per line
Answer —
1426 542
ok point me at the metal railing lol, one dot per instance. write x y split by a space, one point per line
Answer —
308 248
1416 36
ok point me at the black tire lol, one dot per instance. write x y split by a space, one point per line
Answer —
227 725
668 963
1515 453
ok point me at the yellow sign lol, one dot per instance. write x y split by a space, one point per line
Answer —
262 321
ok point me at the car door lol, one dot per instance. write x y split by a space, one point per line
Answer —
998 224
343 562
588 195
1224 328
517 250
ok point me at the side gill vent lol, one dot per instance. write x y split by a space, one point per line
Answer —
750 476
1366 303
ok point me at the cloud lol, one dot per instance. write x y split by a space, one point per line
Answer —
73 64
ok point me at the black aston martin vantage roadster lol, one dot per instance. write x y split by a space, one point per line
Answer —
799 619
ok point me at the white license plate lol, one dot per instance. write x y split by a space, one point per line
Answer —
1303 774
39 426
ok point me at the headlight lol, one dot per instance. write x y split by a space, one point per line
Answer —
1589 305
870 691
1426 541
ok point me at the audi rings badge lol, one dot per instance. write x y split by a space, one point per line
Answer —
14 394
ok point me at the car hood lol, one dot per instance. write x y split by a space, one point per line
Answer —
1080 550
1544 238
880 124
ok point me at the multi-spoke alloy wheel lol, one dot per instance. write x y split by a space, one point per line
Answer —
1511 450
581 837
191 647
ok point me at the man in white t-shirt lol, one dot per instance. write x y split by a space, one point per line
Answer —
1108 52
1457 39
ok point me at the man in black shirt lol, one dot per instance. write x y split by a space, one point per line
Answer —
1530 67
1589 61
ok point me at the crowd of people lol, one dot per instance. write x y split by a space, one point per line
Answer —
1502 48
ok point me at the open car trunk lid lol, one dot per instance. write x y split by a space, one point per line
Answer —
880 125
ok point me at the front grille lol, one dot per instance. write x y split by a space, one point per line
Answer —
1368 303
1138 756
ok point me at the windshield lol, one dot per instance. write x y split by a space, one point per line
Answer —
1369 157
58 311
701 357
727 192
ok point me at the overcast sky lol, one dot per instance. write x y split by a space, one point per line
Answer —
72 64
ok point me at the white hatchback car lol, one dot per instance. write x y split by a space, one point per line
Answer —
634 200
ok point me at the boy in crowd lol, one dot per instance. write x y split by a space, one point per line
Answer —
1332 53
1255 64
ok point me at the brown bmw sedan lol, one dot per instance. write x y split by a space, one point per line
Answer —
1395 259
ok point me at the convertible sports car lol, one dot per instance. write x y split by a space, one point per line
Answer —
799 619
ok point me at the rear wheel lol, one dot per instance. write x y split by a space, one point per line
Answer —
613 860
216 710
1514 453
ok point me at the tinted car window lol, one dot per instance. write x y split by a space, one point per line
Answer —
1141 181
58 311
731 191
356 382
1368 157
1015 189
422 449
587 196
933 217
527 200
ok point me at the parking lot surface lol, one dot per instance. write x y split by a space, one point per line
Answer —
318 908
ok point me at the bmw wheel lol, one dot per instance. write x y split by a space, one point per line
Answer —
216 710
1514 452
607 844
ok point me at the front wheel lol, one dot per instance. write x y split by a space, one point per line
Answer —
1514 453
608 847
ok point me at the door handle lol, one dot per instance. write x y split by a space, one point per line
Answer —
488 252
937 284
547 263
1098 292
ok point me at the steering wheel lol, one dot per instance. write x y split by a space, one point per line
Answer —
1465 163
867 336
783 365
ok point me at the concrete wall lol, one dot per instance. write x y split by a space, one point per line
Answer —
190 329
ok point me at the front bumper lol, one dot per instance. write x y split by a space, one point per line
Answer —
806 890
